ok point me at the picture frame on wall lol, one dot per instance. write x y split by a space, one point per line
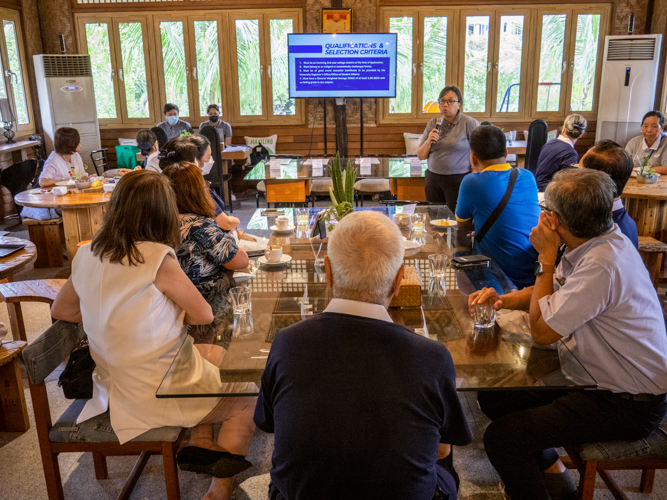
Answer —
336 20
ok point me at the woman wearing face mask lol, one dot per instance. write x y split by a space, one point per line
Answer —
173 125
652 143
215 120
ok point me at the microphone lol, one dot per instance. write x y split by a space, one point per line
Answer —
438 127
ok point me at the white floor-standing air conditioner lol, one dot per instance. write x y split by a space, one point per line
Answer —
628 84
67 99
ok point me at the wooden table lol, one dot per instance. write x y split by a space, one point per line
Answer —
518 148
17 261
647 205
82 212
17 149
13 410
27 291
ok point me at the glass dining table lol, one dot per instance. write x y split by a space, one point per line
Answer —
501 357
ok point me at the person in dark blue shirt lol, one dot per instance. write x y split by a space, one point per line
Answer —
559 153
361 408
616 162
506 242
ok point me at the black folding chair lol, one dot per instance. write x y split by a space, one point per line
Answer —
537 138
99 159
215 176
161 136
16 178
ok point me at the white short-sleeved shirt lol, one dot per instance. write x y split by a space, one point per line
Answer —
56 167
658 151
605 307
153 163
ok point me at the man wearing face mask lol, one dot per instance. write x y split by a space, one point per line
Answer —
173 126
215 120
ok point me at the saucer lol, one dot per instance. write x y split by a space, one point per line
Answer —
410 244
288 229
283 260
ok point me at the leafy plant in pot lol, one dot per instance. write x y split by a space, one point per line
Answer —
646 174
341 192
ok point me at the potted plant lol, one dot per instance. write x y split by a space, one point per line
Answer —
646 174
341 192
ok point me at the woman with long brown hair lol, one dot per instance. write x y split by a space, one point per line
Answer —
133 299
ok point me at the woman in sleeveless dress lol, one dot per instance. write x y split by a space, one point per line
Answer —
135 303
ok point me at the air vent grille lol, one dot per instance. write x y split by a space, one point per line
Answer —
631 49
65 66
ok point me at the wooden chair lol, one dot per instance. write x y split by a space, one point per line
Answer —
95 434
27 291
652 252
47 235
646 455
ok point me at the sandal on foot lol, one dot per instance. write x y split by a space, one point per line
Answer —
220 464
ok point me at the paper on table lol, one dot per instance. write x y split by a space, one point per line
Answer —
374 161
365 168
309 161
317 170
232 149
409 209
415 166
274 168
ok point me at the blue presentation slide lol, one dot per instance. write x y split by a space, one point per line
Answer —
342 65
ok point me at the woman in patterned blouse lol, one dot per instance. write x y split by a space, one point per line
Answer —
208 255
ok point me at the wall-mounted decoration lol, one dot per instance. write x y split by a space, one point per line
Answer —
336 20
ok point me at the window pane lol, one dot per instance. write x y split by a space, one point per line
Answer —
551 62
403 101
250 76
282 104
585 62
208 64
435 62
509 63
17 76
476 60
173 61
134 69
97 40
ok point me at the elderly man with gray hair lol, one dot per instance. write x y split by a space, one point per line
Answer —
361 407
599 304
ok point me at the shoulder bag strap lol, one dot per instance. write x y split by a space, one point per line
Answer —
499 208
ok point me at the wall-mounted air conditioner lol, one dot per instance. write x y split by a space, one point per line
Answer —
67 99
628 84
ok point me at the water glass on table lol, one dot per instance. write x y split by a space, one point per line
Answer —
418 221
437 263
485 314
302 216
241 299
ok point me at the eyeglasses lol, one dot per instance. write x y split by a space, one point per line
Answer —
544 208
447 103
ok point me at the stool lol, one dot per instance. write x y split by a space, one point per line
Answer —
13 410
46 235
646 454
652 252
27 291
372 186
319 187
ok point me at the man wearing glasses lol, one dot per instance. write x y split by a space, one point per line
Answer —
446 144
598 304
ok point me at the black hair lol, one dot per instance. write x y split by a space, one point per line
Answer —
661 117
213 106
146 139
488 143
612 159
451 88
486 123
169 107
177 150
202 144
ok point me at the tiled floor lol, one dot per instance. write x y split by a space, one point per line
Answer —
21 476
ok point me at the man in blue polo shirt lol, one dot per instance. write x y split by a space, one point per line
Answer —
506 241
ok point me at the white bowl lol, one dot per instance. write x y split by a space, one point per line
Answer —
59 190
107 188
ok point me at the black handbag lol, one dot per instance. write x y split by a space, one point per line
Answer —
77 377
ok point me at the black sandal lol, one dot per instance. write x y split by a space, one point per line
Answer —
220 464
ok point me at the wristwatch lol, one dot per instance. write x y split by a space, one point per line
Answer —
540 268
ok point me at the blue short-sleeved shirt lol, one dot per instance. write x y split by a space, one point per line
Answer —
507 241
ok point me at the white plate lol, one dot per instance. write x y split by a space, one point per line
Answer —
283 260
409 244
66 183
288 229
438 223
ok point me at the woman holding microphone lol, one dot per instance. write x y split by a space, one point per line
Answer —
445 143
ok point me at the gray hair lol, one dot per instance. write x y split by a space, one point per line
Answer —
575 125
582 199
365 252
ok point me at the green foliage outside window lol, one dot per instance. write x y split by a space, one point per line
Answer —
208 64
134 69
97 40
282 104
17 78
585 62
173 61
404 68
249 69
435 58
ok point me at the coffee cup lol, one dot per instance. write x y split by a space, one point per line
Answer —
282 222
273 253
59 190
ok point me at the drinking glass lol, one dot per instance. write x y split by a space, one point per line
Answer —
243 326
513 132
418 221
241 299
437 264
302 215
485 314
508 136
